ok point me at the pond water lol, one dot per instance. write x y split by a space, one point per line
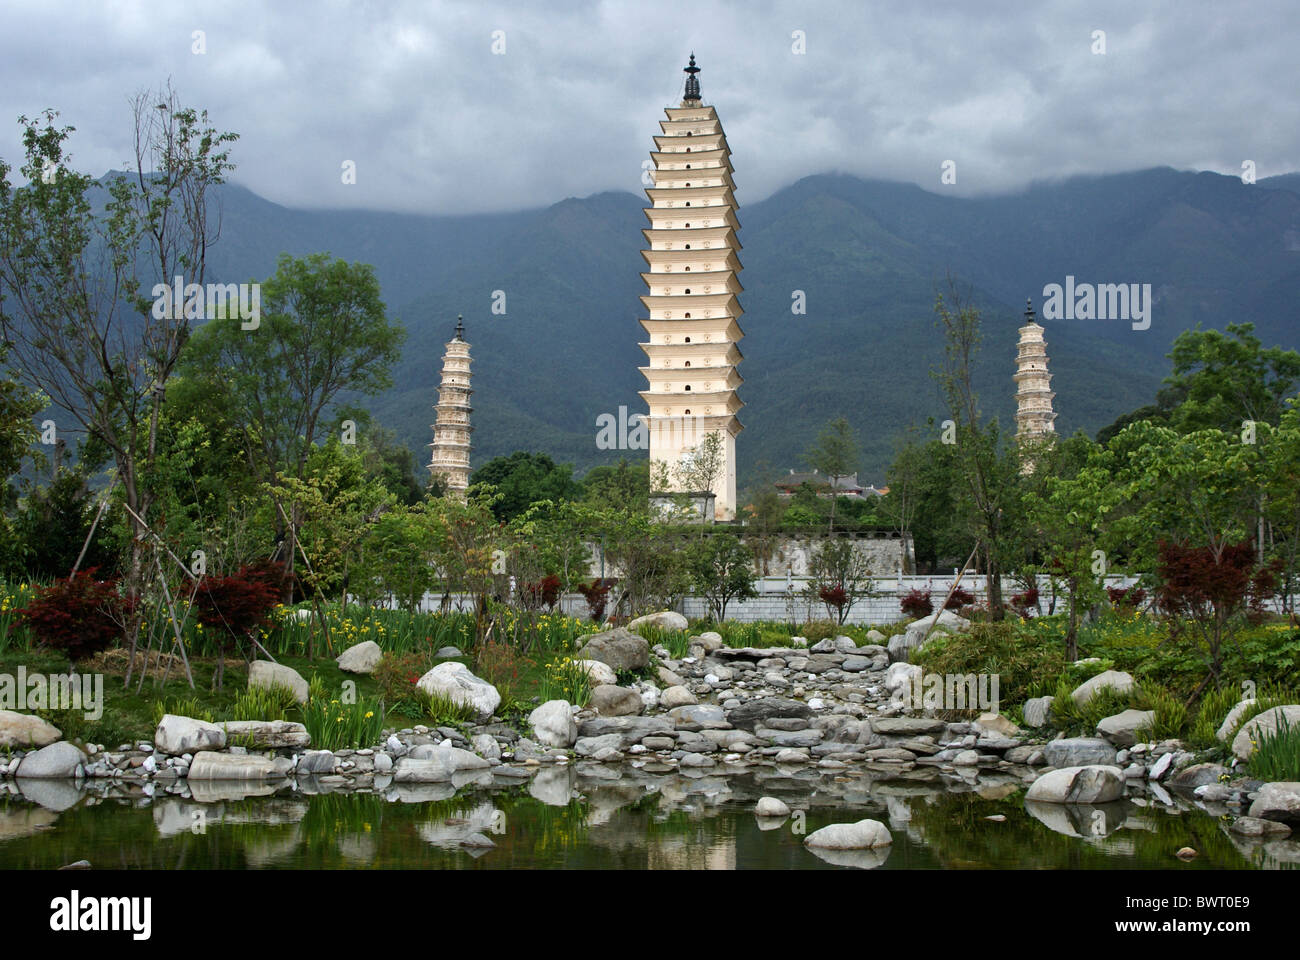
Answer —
590 816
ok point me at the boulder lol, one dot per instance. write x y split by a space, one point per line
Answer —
263 674
1230 722
209 765
664 620
177 735
453 758
1243 744
862 835
597 672
703 715
845 645
677 696
1116 680
361 658
265 734
1079 752
316 762
486 746
620 649
553 724
454 681
613 701
907 726
23 730
1092 783
1123 728
771 807
629 729
448 653
709 640
755 711
56 761
1255 827
1036 711
1199 774
903 645
995 723
1277 801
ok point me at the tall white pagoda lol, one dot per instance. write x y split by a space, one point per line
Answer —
1034 414
692 328
451 444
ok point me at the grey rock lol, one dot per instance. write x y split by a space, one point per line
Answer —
1114 680
619 649
1274 801
176 735
265 675
59 760
22 730
865 834
1037 710
1266 724
455 681
1122 729
1091 783
553 724
360 658
265 734
209 765
664 620
771 807
613 701
1079 752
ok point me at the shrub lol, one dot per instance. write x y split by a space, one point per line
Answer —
916 604
961 597
1170 713
397 675
597 595
1025 601
1130 597
80 616
442 711
1210 714
544 592
818 630
1019 655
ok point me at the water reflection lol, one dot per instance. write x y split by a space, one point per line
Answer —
590 815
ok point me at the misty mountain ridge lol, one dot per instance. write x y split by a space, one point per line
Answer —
870 257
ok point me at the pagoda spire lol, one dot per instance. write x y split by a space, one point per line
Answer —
451 433
1034 413
692 81
691 308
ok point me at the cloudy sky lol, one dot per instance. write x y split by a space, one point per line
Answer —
449 107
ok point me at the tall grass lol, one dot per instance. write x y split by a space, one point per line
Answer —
1276 756
13 635
564 679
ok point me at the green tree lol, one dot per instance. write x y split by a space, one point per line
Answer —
523 479
835 454
1222 380
839 576
622 486
74 273
990 470
721 569
323 330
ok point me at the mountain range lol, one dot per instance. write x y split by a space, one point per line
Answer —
870 257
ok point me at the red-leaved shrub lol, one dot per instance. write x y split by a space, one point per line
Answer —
80 615
961 597
597 595
916 603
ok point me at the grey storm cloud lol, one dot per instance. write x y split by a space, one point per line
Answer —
450 107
